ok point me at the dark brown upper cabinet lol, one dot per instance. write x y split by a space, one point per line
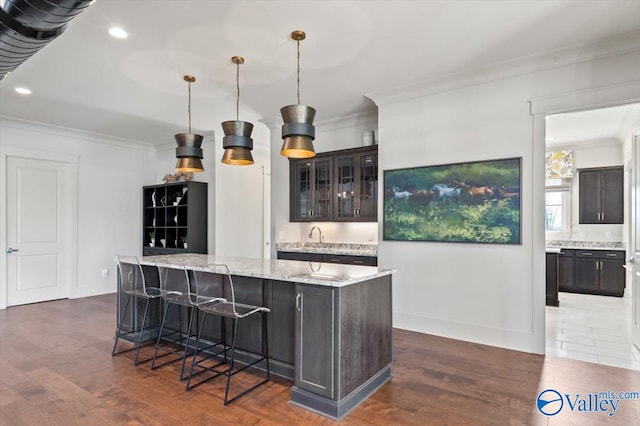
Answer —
356 176
601 195
336 186
311 189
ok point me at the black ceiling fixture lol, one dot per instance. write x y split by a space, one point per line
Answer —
26 26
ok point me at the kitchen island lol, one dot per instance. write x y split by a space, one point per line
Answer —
330 326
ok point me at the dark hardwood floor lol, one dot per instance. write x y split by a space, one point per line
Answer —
56 368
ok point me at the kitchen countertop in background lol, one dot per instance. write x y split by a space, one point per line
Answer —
594 245
348 249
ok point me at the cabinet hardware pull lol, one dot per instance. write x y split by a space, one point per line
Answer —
611 254
298 296
602 216
598 216
587 254
360 262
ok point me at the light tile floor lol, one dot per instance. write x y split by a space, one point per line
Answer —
592 328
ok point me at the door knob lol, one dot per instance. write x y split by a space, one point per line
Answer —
10 250
631 259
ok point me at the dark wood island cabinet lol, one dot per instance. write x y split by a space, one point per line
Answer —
330 330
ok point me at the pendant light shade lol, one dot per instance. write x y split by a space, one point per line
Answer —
237 142
189 150
298 132
189 153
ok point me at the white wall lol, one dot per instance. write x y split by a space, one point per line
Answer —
331 135
240 200
482 293
111 173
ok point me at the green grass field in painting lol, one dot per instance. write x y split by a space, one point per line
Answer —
491 218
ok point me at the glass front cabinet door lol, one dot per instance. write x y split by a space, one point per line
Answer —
356 187
338 186
310 198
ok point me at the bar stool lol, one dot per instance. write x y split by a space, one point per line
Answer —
176 290
237 312
133 284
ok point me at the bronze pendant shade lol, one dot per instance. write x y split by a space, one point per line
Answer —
189 150
298 132
237 142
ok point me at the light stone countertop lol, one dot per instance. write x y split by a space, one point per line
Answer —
349 249
589 245
322 274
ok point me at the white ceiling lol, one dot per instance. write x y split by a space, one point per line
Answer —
133 88
593 125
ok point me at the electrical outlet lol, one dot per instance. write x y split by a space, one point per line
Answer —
105 273
281 235
370 236
607 234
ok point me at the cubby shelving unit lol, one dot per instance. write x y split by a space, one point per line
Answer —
174 218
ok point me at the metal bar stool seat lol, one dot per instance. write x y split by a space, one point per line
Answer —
236 311
176 290
134 285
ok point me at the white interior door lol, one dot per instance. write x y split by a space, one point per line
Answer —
37 234
634 242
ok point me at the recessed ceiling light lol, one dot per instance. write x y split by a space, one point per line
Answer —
118 32
23 90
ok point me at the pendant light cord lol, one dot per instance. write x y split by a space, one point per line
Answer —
238 91
298 72
189 107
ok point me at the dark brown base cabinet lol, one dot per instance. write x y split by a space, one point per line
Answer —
592 272
329 258
566 268
552 279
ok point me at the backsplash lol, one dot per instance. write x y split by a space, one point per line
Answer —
331 248
568 244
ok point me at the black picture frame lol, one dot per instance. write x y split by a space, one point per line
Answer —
469 202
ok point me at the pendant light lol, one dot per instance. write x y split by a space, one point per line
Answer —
189 151
298 132
237 140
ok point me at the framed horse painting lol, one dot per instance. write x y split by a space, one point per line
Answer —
474 202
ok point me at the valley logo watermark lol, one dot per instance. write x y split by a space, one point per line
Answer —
550 401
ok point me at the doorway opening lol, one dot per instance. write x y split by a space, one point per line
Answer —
587 188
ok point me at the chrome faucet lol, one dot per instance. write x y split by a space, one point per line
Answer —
320 237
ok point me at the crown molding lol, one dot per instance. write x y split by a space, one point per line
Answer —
67 132
624 43
352 120
584 144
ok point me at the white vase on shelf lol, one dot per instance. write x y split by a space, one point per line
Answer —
163 242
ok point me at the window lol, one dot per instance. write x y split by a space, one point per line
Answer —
557 202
